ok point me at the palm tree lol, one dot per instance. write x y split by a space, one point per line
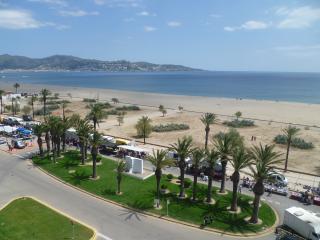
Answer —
289 132
96 114
197 158
12 105
264 158
160 160
38 130
83 129
212 157
183 148
95 142
46 129
240 160
144 127
16 86
225 145
208 119
1 95
121 167
44 95
33 99
238 115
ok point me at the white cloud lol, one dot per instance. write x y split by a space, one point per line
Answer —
299 50
21 19
302 17
18 19
128 19
229 29
61 3
249 25
146 14
174 24
118 3
77 13
149 29
214 15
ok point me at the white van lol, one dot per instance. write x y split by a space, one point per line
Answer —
303 222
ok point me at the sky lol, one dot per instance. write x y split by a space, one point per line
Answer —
226 35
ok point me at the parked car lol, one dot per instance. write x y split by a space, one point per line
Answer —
278 178
27 118
18 143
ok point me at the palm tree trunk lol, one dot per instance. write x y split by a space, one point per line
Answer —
85 150
194 189
94 164
39 140
223 180
64 142
82 153
181 195
119 182
44 107
47 137
287 155
58 146
32 105
54 153
209 193
158 178
1 105
207 137
234 204
255 212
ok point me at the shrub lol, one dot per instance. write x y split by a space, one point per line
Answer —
99 158
112 112
128 108
296 142
239 123
170 127
163 186
169 176
187 183
49 109
89 100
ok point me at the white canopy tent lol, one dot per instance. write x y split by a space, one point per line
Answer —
7 129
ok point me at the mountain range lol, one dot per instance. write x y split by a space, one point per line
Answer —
71 63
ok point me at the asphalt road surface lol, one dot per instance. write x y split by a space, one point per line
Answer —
18 177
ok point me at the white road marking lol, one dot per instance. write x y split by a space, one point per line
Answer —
103 236
278 203
270 201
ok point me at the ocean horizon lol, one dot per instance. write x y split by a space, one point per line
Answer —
273 86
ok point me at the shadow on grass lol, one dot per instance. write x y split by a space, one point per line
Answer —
67 163
79 176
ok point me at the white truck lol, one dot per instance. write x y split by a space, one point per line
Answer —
303 222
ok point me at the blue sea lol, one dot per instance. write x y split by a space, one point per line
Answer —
294 87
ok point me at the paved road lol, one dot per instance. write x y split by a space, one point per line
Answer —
19 178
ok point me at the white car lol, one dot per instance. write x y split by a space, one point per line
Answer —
278 178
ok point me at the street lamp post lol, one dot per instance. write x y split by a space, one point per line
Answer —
168 202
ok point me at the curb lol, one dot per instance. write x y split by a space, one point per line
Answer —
213 230
93 237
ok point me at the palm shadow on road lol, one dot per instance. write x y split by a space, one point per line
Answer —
131 215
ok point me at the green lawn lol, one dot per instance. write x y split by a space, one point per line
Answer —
140 194
27 219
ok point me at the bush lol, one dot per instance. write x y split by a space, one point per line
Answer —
112 112
296 142
169 176
239 123
89 100
49 109
170 127
187 183
163 186
128 108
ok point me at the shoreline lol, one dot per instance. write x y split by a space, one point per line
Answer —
266 110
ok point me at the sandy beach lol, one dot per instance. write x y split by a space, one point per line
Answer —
265 131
